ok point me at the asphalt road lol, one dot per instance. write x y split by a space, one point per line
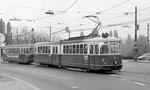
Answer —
134 76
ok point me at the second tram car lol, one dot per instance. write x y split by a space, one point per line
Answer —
19 53
47 53
87 53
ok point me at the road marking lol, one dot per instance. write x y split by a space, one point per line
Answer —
139 83
75 87
124 79
44 74
22 81
53 76
113 75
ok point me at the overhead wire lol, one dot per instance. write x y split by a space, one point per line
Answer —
57 13
112 7
70 6
96 13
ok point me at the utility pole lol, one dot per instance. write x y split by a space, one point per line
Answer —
32 40
136 26
50 33
148 36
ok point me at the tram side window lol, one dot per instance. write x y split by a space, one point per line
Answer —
49 49
77 49
56 50
70 49
27 51
67 49
44 49
21 50
64 49
16 50
53 50
38 49
81 48
24 51
96 49
10 50
74 49
91 49
104 49
31 50
85 48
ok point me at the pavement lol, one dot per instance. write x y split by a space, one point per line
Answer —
8 83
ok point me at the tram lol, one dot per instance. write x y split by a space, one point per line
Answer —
97 53
19 53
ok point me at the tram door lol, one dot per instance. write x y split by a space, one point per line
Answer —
55 56
91 57
93 51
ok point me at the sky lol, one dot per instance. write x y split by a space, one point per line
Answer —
71 13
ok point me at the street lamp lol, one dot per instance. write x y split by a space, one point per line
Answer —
67 30
15 19
49 12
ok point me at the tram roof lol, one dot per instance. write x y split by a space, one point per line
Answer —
96 39
87 40
47 43
20 45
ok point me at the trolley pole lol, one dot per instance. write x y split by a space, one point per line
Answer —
148 36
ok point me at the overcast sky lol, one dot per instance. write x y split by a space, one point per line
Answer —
32 14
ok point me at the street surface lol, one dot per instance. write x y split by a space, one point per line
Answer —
133 76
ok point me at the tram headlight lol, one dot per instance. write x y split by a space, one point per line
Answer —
115 62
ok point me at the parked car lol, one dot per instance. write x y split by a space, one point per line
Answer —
145 56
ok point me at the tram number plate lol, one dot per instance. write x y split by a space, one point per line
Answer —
86 58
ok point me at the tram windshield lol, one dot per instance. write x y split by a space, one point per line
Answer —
114 47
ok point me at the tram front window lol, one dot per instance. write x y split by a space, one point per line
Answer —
114 47
104 49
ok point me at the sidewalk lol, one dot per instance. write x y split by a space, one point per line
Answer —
7 83
141 61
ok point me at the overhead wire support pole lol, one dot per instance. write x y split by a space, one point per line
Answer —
148 36
136 28
50 33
